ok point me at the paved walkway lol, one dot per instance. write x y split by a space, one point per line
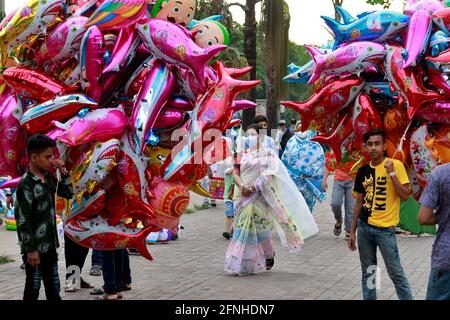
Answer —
192 266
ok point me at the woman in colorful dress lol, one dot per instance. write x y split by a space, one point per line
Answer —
268 199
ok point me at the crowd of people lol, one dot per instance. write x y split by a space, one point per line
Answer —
267 185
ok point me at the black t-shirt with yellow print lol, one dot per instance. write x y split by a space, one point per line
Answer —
381 204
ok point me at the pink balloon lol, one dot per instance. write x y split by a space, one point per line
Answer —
96 125
124 50
8 18
12 138
151 99
13 183
63 42
39 118
347 59
427 5
180 104
419 31
91 62
171 43
169 118
437 79
437 111
213 111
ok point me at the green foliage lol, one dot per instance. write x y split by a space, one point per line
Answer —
4 259
385 3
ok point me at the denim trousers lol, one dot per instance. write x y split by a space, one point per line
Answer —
116 270
439 285
47 271
369 238
96 258
342 190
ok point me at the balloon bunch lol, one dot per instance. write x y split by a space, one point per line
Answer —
112 82
387 70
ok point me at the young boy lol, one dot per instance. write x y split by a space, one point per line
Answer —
380 186
36 219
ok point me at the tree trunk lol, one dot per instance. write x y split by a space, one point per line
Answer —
337 16
250 27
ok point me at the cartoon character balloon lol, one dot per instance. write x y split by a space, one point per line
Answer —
181 12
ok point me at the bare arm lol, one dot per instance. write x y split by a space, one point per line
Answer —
246 190
402 190
426 216
326 173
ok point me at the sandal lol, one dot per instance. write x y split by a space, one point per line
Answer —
97 291
347 236
270 262
108 297
337 230
95 271
85 285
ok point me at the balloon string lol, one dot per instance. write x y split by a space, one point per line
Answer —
402 140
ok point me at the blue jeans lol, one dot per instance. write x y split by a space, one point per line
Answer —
48 272
369 238
116 270
342 190
96 258
439 285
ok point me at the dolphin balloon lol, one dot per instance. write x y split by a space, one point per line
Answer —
348 59
377 26
172 44
419 32
331 99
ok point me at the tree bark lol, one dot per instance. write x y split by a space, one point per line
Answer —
337 16
250 27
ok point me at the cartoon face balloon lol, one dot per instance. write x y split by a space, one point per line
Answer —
210 33
175 11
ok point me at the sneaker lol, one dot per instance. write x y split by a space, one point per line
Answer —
133 252
70 287
22 266
213 204
226 235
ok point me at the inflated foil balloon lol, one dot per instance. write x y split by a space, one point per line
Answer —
438 142
97 234
34 84
437 111
12 138
31 20
155 92
172 44
419 32
91 62
96 125
439 80
83 8
39 118
169 118
330 100
441 18
439 42
170 201
406 82
341 137
130 171
117 14
210 33
63 42
348 59
124 50
181 12
440 62
89 207
422 159
93 166
365 118
427 5
213 111
377 26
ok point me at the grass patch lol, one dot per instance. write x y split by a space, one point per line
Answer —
4 259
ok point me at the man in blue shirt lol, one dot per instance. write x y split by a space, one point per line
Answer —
435 209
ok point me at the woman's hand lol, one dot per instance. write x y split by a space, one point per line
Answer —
247 190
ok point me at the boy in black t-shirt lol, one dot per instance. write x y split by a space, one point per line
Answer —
380 185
